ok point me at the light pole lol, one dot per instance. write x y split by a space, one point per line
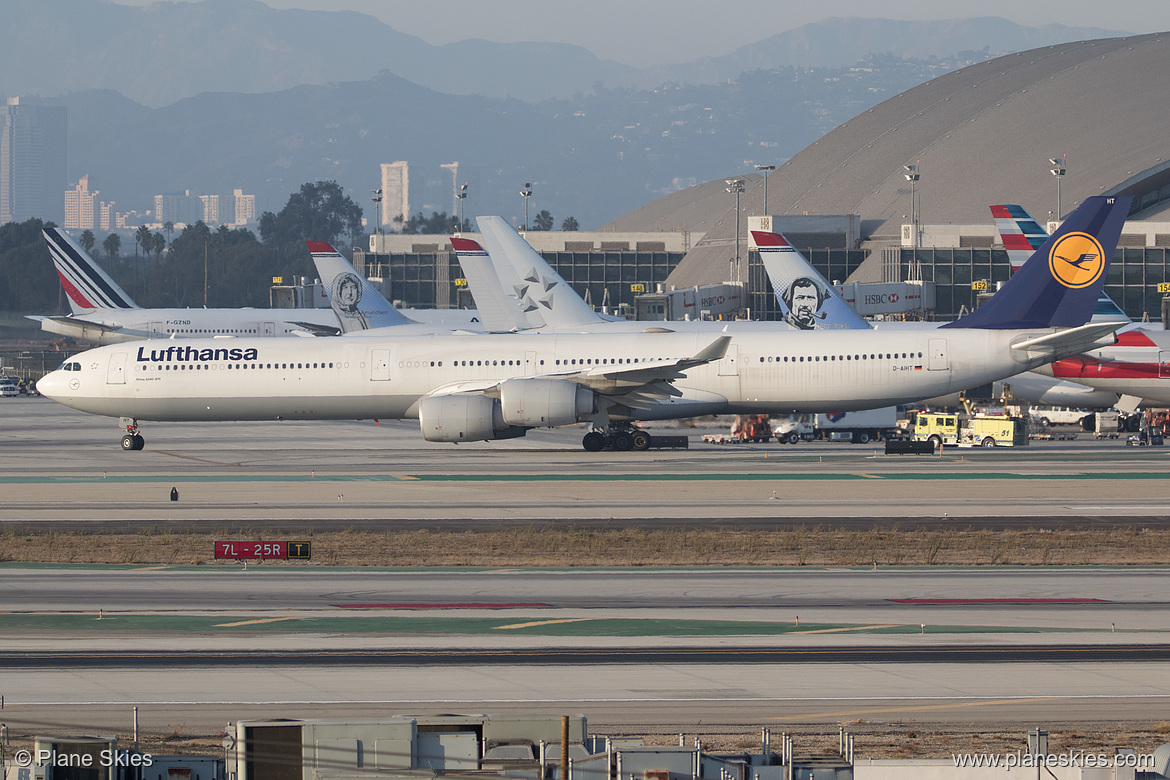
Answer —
1058 171
378 208
462 197
766 169
735 186
912 177
526 193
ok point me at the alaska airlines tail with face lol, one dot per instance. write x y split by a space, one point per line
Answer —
1059 285
87 286
807 300
357 303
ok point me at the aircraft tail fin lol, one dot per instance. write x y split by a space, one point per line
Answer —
1059 284
1022 235
541 290
794 280
499 312
86 284
357 303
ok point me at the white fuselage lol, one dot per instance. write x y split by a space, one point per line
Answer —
136 324
339 378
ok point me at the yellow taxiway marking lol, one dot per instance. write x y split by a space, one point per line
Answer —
847 628
151 568
917 708
405 477
253 622
543 623
870 476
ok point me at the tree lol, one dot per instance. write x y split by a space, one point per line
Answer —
436 224
542 221
112 244
87 241
320 211
570 224
141 239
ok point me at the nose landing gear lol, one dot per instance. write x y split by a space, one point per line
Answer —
132 440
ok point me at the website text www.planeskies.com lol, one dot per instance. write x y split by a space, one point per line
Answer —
1081 759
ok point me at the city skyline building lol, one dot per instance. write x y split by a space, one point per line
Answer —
33 156
80 206
395 206
245 208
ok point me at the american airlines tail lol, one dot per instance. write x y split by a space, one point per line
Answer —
86 283
1022 235
807 300
357 303
1058 285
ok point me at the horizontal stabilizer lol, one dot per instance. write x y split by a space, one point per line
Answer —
1073 341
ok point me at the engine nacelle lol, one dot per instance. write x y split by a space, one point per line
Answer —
463 418
538 402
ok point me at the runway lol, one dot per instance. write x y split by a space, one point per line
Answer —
667 648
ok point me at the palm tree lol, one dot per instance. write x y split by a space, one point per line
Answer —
543 220
141 239
87 241
570 224
112 244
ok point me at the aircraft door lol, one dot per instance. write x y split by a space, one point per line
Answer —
936 355
116 371
380 365
1164 364
729 364
268 329
157 330
529 364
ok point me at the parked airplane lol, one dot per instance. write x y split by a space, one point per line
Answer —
1136 368
494 387
104 313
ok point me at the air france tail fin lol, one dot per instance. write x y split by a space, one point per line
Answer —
357 303
1022 235
1059 285
499 310
545 297
807 300
86 283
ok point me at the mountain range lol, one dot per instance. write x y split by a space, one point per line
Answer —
220 94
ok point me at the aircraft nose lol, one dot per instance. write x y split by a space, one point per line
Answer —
54 384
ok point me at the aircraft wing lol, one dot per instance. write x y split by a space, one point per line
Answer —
76 323
1072 341
635 384
317 329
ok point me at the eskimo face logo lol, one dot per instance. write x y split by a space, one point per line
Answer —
1076 260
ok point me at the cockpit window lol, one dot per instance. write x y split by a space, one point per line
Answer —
70 367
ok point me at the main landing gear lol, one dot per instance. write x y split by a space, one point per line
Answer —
621 437
133 439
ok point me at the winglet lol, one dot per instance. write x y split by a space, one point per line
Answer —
716 350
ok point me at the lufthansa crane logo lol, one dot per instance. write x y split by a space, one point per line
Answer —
1076 260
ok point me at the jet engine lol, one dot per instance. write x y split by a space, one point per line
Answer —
463 418
537 402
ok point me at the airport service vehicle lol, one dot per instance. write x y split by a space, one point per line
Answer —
481 387
860 427
752 427
8 388
1058 415
971 430
1110 423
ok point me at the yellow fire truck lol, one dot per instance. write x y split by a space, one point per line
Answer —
971 430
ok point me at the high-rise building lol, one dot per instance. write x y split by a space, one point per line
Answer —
395 194
32 161
109 217
210 209
178 208
245 208
79 206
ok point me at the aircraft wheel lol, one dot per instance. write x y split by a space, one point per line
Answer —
139 442
623 442
128 443
863 438
641 440
988 442
593 442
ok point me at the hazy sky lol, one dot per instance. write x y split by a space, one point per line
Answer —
662 32
659 32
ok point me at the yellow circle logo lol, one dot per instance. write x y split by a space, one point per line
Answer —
1076 260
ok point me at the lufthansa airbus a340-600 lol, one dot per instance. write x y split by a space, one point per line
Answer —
479 387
